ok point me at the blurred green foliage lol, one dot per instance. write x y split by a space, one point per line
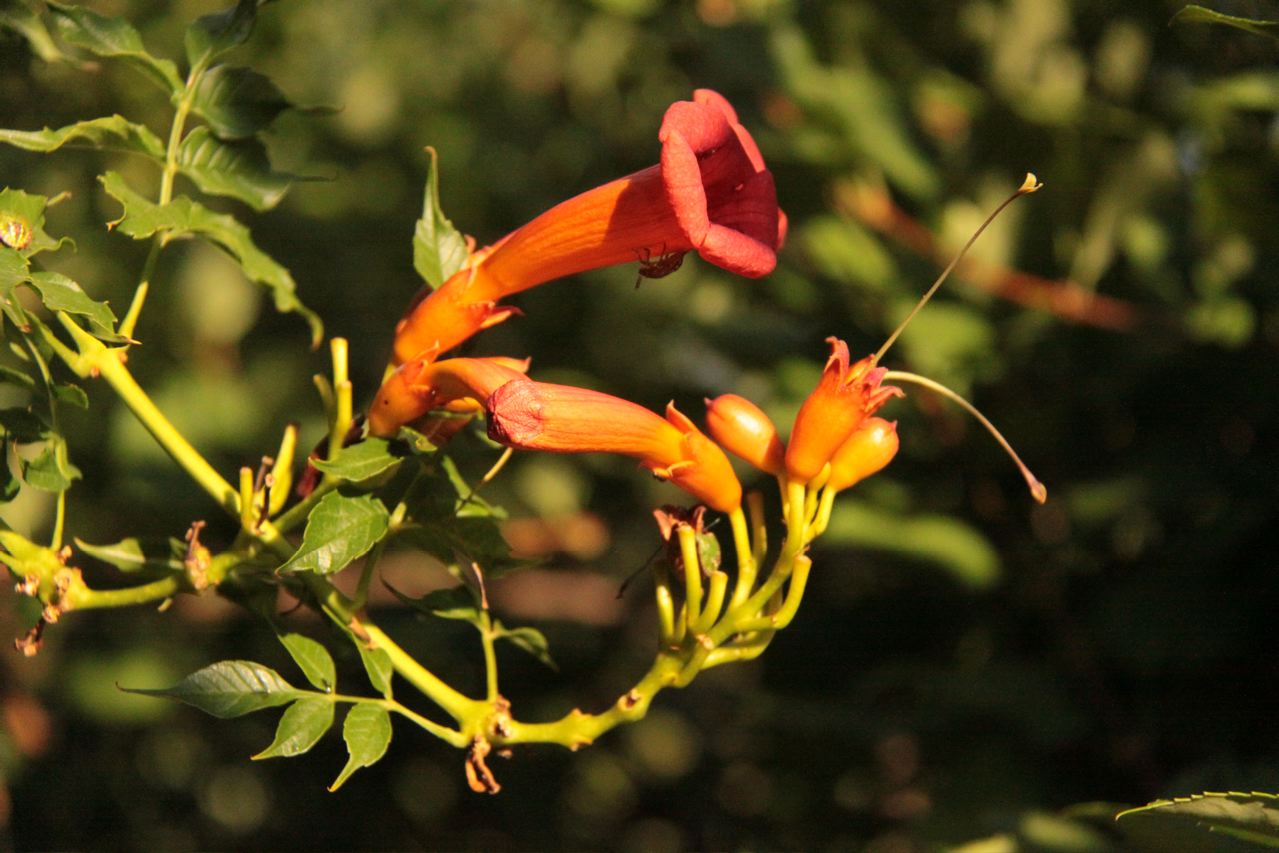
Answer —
966 664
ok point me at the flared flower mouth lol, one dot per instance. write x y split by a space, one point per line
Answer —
530 415
844 397
710 193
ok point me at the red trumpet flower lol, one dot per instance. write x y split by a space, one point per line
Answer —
459 385
710 193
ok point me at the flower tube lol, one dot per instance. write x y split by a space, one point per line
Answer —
530 415
710 193
456 384
844 397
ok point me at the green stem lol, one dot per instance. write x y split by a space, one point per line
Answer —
490 656
80 597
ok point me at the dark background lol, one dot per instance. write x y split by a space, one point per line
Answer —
966 663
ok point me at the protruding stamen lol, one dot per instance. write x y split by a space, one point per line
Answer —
1037 489
1029 185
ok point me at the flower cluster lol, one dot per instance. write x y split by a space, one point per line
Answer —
710 193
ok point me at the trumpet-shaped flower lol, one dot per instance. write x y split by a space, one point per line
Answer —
844 397
871 446
457 385
530 415
710 193
744 430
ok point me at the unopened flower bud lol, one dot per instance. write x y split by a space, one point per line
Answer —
745 431
871 446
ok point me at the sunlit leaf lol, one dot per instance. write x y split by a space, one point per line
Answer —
1204 822
183 217
112 37
133 555
239 170
439 249
339 529
360 461
229 688
528 639
313 659
237 102
378 665
59 293
213 35
1195 14
367 732
301 726
110 132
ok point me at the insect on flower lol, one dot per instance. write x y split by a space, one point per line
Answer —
16 232
657 267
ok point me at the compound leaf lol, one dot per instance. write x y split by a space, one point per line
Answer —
113 38
106 132
239 170
301 726
439 249
339 529
313 659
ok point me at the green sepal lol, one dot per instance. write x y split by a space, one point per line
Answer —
229 688
239 170
112 38
367 732
107 132
339 529
182 218
439 249
301 726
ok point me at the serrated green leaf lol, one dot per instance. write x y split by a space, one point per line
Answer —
24 212
22 426
452 603
439 249
378 665
1194 14
367 732
183 218
134 555
59 293
1198 822
113 38
213 35
313 659
360 461
51 470
98 132
229 688
14 270
237 102
528 639
239 170
301 726
339 529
